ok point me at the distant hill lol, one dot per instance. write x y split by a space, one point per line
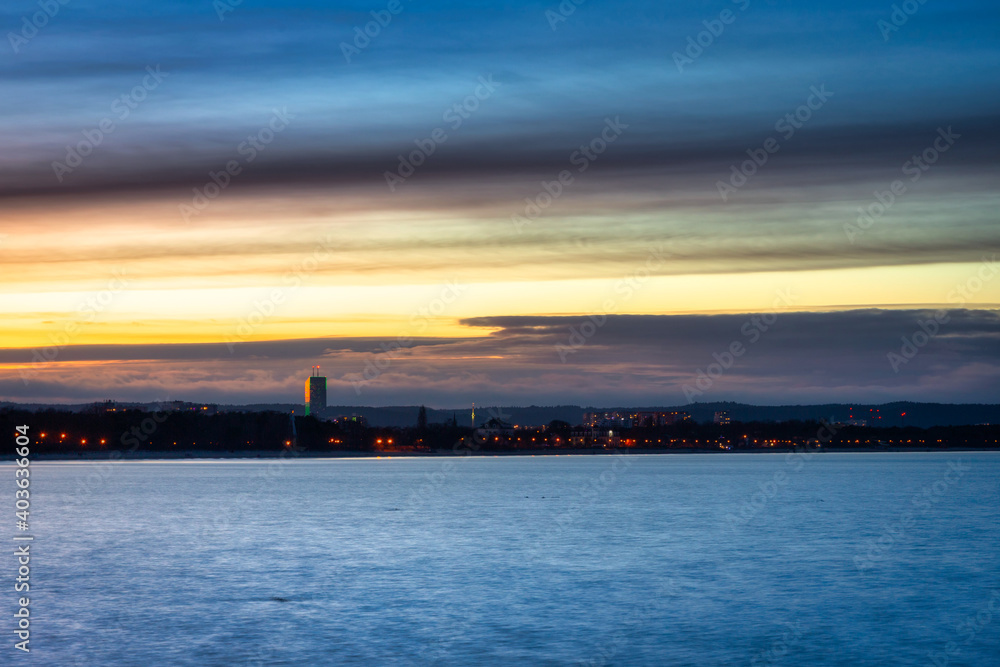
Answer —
923 415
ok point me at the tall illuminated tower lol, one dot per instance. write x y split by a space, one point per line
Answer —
315 393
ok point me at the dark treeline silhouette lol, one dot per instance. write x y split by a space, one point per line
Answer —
60 432
56 431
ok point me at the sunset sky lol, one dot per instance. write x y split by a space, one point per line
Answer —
129 274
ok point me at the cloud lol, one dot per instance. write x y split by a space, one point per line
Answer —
657 186
802 357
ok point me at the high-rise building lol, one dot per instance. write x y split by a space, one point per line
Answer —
315 393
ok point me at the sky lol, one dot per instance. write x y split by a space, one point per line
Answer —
638 203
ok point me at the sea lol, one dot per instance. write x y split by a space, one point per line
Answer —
811 558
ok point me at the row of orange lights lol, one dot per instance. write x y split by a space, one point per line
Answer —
62 436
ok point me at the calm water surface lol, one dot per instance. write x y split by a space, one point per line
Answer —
838 559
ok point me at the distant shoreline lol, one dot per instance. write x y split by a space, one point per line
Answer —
256 455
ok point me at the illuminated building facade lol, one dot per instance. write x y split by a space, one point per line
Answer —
623 420
315 393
